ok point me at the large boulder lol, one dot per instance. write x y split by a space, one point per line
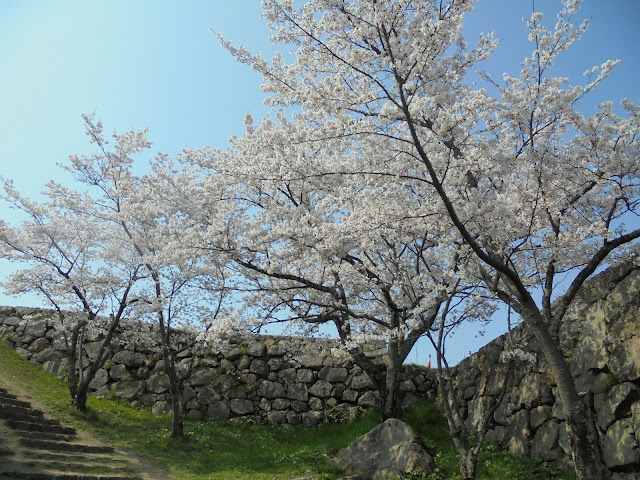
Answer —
385 452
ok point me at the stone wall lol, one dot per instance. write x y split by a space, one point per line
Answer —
280 380
603 348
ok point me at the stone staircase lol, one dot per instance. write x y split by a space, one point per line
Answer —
33 447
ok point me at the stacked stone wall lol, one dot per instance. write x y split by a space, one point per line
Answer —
274 379
602 344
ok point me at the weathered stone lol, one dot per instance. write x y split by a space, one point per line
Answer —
617 403
128 390
264 404
312 418
385 452
188 393
195 414
539 415
161 407
245 362
148 399
332 374
350 395
545 440
158 384
509 405
241 407
305 375
56 368
314 362
275 351
99 380
280 404
256 349
118 372
625 360
35 329
321 389
478 410
129 358
202 376
276 417
298 392
259 367
47 355
535 390
368 400
39 344
619 446
207 395
219 410
315 403
299 406
271 390
518 432
239 391
293 418
344 411
288 375
361 382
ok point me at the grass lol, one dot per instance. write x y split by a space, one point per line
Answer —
245 450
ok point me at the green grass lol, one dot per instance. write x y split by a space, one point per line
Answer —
245 450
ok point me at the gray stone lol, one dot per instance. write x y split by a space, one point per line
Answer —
188 393
312 418
385 452
118 372
332 374
47 355
99 380
241 407
202 376
264 404
293 418
288 375
625 359
545 440
298 392
305 375
39 345
161 407
280 404
315 403
321 389
256 349
276 417
195 414
35 329
619 446
535 390
299 406
244 363
259 367
539 415
207 395
130 359
92 349
350 395
313 362
148 399
219 410
56 368
158 384
478 410
344 412
620 396
275 351
518 432
368 400
271 390
361 382
128 390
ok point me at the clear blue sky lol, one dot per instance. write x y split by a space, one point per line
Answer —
157 64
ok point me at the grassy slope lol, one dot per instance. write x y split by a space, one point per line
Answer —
243 450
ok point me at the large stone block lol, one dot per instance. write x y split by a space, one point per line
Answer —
271 390
321 389
219 410
333 374
129 390
620 447
158 384
241 407
129 358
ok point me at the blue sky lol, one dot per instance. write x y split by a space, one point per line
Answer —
158 64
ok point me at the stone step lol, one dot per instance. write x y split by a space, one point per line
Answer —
71 457
25 415
40 427
20 475
85 467
12 402
65 447
55 437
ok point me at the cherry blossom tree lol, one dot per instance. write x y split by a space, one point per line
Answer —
538 190
311 253
183 290
78 267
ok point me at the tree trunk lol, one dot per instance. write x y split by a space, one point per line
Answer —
588 465
389 398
